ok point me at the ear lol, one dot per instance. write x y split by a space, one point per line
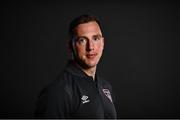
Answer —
69 46
71 49
103 43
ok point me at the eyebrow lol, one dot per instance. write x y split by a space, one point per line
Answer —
98 35
81 37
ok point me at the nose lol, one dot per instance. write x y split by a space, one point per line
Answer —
90 45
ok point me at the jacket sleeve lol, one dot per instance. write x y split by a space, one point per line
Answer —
54 102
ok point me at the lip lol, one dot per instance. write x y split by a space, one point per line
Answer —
90 56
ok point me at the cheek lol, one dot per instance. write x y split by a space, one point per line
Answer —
80 51
100 47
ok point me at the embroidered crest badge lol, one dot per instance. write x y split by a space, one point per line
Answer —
107 93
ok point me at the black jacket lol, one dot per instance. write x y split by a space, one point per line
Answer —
76 95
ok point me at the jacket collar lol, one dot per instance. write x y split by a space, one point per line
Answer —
75 70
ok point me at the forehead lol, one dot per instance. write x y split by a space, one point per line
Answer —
88 28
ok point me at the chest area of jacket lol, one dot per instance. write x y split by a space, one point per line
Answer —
92 98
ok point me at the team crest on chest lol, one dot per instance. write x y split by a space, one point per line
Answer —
107 93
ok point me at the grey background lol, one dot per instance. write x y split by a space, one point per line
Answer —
140 60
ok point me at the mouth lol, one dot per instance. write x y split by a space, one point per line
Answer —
91 56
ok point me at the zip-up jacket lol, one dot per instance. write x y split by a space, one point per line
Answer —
76 95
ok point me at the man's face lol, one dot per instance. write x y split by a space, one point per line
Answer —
89 44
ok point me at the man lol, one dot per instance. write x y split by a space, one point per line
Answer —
78 91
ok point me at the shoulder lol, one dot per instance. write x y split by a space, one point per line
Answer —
61 86
105 83
56 98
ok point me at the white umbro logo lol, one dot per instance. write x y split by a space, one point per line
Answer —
85 99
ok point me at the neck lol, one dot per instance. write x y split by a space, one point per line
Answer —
89 71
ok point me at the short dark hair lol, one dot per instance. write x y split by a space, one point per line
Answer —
85 18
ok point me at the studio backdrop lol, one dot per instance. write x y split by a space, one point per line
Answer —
140 60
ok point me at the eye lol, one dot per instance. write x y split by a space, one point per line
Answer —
96 38
82 40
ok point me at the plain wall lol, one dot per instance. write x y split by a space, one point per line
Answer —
140 60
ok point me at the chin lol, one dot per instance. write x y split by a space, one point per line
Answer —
91 64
